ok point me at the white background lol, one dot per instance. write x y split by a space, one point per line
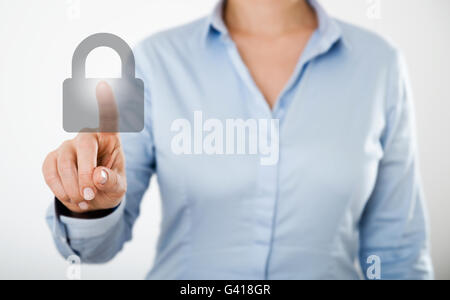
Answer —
37 39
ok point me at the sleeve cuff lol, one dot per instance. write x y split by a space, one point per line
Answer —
92 228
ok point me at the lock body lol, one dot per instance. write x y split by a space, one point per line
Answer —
81 110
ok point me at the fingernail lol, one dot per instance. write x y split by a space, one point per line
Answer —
88 194
83 206
104 177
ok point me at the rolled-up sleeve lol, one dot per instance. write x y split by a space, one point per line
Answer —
81 236
394 225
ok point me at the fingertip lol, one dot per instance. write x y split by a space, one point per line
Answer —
88 194
102 87
104 92
83 206
101 176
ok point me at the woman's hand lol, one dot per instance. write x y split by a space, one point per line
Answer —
88 172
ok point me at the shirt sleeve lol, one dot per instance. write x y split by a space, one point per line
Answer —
99 240
394 224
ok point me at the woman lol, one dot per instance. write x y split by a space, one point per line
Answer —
342 184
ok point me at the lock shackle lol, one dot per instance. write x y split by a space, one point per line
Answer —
103 40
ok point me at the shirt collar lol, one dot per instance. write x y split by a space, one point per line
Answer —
328 33
215 21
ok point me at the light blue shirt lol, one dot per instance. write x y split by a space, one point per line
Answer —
344 190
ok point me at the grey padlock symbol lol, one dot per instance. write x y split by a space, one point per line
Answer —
80 106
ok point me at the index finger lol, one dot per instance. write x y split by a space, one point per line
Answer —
107 106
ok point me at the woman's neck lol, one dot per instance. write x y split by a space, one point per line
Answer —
269 17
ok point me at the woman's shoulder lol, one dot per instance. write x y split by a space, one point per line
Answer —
367 43
180 36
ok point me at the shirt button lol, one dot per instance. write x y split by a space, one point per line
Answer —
281 113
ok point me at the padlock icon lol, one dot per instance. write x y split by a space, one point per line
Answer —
81 110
